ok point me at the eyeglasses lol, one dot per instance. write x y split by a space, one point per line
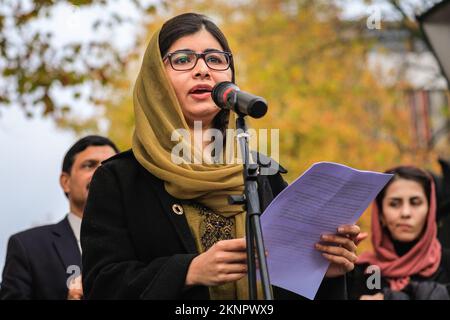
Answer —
185 60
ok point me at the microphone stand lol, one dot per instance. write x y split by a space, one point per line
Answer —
250 200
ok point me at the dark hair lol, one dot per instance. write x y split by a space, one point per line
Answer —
407 173
82 145
187 24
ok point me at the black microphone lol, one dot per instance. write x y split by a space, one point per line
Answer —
227 95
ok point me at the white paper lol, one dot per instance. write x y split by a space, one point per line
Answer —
325 197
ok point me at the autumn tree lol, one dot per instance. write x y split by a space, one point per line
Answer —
312 68
37 69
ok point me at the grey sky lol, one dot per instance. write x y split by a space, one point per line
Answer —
31 157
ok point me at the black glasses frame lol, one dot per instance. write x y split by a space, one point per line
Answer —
197 56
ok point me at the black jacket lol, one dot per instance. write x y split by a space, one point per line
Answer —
435 287
37 260
136 247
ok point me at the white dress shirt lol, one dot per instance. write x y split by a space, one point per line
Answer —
75 224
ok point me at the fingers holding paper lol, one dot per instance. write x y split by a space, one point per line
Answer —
340 250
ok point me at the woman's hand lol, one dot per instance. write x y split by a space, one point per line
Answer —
340 249
225 261
377 296
75 289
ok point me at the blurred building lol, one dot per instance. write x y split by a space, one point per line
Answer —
399 57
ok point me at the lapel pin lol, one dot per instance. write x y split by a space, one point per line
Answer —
178 209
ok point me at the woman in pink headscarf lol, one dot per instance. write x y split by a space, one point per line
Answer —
408 262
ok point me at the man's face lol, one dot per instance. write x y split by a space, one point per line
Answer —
76 184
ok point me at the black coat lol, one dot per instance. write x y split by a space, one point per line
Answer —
136 247
435 287
37 260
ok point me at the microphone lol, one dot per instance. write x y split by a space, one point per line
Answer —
227 95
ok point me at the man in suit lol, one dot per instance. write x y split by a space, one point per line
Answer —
45 262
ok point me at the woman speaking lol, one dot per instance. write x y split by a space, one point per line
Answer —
159 229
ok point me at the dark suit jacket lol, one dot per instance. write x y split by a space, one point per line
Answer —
37 261
136 247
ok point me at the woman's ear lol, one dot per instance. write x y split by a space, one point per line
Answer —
382 221
64 180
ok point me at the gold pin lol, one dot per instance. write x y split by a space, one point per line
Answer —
178 209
